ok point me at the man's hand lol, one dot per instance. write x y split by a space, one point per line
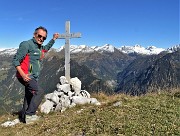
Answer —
26 77
55 36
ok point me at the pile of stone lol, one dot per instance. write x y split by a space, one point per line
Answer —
67 95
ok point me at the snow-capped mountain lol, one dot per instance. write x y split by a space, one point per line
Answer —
87 49
106 47
141 50
174 48
10 51
137 49
110 48
81 48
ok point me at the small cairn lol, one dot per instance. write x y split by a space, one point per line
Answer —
67 95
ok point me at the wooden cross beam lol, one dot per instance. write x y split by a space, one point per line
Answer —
67 36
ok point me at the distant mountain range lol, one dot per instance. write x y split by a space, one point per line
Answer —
132 70
136 49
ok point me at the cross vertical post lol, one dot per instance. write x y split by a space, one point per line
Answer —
67 52
67 36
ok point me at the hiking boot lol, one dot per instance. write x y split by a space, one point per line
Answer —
31 118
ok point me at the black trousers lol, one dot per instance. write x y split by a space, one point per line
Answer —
32 99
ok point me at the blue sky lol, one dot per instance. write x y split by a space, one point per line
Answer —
115 22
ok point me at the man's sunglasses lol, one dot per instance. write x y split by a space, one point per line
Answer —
40 36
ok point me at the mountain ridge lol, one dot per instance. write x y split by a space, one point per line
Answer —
151 73
136 49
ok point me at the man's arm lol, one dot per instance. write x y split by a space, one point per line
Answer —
21 53
51 42
19 56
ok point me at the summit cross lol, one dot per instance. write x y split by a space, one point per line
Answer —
67 36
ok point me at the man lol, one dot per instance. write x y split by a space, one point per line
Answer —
27 62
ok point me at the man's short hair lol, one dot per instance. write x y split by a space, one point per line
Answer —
40 27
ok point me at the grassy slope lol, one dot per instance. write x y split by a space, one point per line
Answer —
152 114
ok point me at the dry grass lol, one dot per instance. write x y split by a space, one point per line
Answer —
151 114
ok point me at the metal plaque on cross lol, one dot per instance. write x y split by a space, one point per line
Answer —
67 36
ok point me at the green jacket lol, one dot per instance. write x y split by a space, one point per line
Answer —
29 56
